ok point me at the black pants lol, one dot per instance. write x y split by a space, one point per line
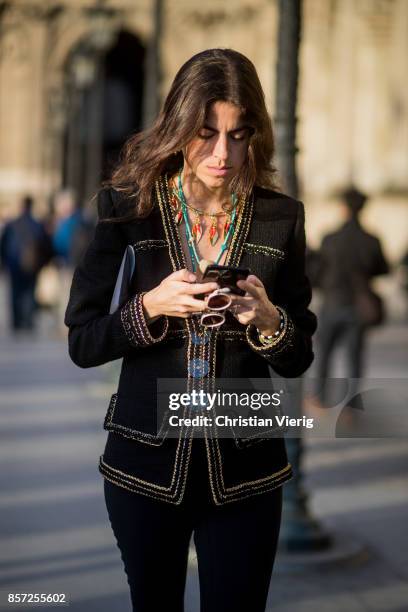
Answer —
235 544
339 325
22 288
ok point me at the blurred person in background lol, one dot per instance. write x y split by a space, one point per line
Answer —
48 287
72 233
402 271
25 248
67 217
348 260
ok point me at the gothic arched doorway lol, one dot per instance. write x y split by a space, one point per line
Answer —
105 94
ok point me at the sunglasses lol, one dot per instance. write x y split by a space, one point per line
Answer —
217 303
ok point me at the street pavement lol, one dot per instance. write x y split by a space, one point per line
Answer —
54 531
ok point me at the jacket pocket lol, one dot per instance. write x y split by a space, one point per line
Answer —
149 244
152 264
257 438
266 427
265 250
124 417
241 443
263 261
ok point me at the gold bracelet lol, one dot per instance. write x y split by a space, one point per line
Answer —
267 340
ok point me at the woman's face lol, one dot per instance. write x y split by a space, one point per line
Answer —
219 150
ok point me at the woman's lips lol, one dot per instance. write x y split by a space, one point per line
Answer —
219 171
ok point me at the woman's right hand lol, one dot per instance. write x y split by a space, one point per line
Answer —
174 296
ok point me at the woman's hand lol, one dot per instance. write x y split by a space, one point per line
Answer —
174 296
255 307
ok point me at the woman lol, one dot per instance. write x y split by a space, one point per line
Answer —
198 185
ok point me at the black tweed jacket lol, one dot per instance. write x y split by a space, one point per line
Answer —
270 240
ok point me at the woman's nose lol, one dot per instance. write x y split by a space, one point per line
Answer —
221 147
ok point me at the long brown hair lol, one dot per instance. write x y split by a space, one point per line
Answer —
212 75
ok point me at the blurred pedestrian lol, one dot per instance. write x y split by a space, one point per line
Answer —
24 249
71 235
67 219
349 258
402 271
47 291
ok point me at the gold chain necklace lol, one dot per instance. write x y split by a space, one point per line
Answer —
197 230
197 211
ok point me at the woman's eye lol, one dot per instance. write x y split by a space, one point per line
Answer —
239 135
205 134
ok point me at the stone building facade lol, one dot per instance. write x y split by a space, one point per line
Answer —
353 97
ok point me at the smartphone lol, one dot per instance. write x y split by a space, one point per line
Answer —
225 276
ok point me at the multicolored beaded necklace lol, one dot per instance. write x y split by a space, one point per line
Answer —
193 235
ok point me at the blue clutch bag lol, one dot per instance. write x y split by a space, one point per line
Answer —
121 293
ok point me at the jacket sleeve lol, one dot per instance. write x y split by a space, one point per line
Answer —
95 336
292 353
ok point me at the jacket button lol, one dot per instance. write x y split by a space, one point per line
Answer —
200 339
198 367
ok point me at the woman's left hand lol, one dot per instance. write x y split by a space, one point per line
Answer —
255 307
